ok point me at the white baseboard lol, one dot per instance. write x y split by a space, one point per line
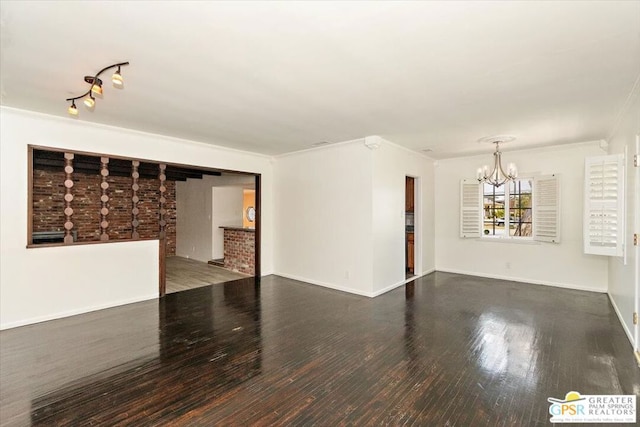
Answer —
68 313
403 282
524 280
624 325
351 290
422 274
324 284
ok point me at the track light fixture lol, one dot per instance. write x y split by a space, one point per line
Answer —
96 87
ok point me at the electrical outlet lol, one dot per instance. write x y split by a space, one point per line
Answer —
347 274
508 265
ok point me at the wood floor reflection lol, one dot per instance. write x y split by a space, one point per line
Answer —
444 350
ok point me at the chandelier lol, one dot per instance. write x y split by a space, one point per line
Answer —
497 176
96 87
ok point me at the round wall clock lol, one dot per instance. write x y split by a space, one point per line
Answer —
251 213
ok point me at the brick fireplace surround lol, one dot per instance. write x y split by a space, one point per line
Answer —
239 249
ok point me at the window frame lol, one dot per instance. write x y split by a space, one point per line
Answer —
507 212
546 201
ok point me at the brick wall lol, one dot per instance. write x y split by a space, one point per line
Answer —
48 206
239 250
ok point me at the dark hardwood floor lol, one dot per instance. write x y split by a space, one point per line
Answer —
445 350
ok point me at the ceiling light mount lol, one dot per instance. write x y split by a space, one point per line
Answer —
93 79
502 139
497 176
96 87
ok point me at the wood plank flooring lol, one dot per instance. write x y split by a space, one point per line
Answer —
446 350
185 273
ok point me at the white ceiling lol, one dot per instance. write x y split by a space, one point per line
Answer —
273 77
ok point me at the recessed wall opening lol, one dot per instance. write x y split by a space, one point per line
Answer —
215 227
410 215
197 214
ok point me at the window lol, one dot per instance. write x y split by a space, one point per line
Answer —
604 205
508 209
526 208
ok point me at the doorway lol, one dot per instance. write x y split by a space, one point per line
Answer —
213 224
410 215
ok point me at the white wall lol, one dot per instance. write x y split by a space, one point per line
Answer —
36 284
562 264
391 164
193 219
323 217
340 216
202 207
227 210
622 279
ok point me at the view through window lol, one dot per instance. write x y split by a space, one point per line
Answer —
508 209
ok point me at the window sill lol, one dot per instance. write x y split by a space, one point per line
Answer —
90 242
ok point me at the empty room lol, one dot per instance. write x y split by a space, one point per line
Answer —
319 213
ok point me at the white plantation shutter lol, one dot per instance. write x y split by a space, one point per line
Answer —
470 208
604 203
546 215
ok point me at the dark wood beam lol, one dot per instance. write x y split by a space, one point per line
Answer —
117 167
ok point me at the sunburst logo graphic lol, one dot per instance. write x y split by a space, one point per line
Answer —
572 396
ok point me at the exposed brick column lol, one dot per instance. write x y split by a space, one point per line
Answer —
239 250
